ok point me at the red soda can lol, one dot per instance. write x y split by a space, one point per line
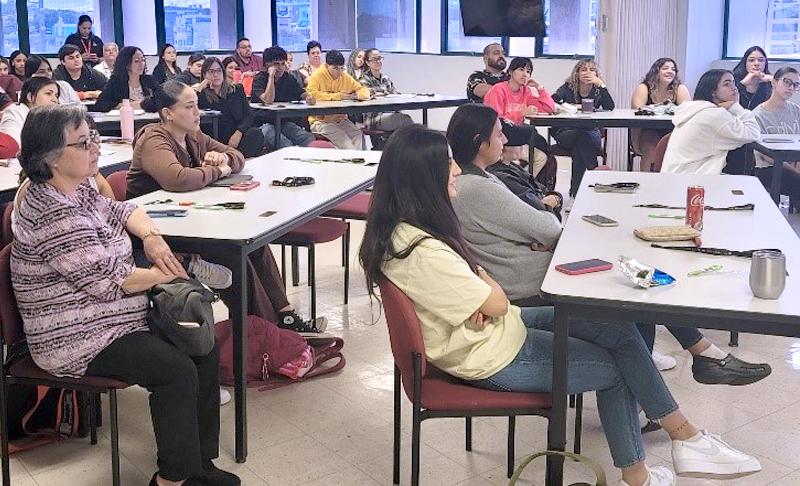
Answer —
695 202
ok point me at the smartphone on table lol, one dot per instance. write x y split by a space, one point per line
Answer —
584 266
598 220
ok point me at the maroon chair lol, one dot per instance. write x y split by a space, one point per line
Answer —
308 235
322 144
354 208
660 151
25 372
119 184
435 394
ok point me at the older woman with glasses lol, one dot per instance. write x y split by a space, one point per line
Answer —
74 243
127 82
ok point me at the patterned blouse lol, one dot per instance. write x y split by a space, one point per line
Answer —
378 87
69 258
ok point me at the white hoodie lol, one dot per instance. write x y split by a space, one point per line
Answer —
703 135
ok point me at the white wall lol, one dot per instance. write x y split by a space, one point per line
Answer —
703 37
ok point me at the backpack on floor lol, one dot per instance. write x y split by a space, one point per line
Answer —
276 357
600 475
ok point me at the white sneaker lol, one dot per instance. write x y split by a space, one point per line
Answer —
568 204
224 396
212 274
656 476
663 362
708 456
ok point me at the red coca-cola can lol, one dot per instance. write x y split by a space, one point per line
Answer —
695 202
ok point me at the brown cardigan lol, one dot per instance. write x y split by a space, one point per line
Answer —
159 162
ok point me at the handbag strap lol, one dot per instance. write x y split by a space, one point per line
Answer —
599 474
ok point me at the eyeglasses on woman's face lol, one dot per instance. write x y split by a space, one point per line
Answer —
93 138
795 86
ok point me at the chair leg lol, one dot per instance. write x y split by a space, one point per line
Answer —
312 279
295 268
92 419
512 432
347 264
415 440
112 403
397 416
4 429
572 401
578 423
345 251
468 433
734 341
283 264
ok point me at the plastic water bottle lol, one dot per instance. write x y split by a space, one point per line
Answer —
126 120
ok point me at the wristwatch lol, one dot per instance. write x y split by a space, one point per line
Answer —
151 232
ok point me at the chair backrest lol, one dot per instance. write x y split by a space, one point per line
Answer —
119 184
659 151
405 330
7 235
10 319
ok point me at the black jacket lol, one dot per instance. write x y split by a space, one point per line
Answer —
286 89
602 98
90 79
186 77
96 46
161 74
523 185
236 112
117 90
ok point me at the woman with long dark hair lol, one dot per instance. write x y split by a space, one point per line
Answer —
128 82
39 67
709 126
753 78
91 46
660 86
167 67
18 60
413 239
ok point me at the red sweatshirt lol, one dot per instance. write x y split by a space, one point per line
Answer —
511 106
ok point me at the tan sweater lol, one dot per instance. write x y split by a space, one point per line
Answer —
159 162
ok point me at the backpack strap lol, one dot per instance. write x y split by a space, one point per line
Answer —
599 474
328 349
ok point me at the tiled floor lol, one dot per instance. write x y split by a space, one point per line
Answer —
336 430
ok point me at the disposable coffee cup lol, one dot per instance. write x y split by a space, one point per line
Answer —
587 105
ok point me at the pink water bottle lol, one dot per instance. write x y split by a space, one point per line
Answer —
126 120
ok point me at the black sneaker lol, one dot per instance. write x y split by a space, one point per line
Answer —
292 320
728 371
213 476
188 482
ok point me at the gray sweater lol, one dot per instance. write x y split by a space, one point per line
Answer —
500 228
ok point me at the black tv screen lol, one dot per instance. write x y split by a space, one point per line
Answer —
497 18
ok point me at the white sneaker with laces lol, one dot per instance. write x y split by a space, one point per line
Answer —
663 362
212 274
656 476
224 396
708 456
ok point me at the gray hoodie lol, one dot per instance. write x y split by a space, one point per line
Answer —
500 229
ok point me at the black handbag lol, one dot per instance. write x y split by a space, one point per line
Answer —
181 314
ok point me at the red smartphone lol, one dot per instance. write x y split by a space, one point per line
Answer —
245 186
585 266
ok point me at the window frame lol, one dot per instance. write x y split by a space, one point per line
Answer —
726 56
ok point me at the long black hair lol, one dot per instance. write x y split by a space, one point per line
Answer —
740 71
162 62
164 97
33 64
124 61
31 88
469 127
410 187
708 84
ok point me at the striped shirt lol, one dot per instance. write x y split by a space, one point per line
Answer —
69 258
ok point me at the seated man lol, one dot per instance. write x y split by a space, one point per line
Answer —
87 82
276 84
380 85
331 83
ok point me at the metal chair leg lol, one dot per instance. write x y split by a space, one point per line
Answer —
295 267
347 264
92 418
312 279
572 401
6 463
734 341
578 423
112 402
415 440
283 264
397 414
345 249
468 433
512 431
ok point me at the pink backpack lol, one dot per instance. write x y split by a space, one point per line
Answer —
276 357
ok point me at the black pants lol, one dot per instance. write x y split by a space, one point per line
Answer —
584 146
519 135
686 336
184 398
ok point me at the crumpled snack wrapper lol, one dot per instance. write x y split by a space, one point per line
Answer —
643 275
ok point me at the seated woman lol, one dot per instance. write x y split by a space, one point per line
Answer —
175 155
660 86
39 67
167 67
709 126
780 116
74 243
236 120
470 331
584 144
753 78
231 67
128 82
35 92
519 97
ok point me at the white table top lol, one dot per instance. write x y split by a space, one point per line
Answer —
792 143
624 114
332 179
383 100
765 227
110 154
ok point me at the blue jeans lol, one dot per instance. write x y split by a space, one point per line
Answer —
291 134
687 336
608 357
